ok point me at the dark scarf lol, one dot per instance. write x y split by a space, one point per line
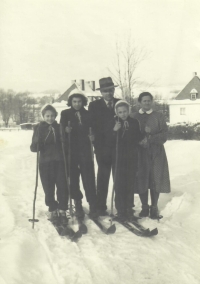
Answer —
124 123
78 114
51 128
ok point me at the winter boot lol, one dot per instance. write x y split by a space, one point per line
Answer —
102 213
130 214
93 212
54 218
154 214
63 217
79 213
145 211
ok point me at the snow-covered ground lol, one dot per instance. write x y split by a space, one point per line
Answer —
40 256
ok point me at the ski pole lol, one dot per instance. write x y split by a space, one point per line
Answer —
69 165
92 155
65 165
36 184
115 175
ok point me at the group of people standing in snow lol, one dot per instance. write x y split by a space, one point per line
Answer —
131 145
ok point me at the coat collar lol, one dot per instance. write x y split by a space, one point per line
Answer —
122 121
45 124
81 110
148 112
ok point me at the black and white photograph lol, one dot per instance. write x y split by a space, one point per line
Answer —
99 141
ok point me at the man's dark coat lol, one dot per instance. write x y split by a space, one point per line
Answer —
101 115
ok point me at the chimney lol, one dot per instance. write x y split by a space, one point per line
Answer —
81 84
194 74
93 85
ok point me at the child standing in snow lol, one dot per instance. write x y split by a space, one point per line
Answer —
51 165
128 131
80 151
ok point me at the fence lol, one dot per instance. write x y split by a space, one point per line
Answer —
10 129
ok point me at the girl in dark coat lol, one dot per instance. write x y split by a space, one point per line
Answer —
81 158
51 166
128 131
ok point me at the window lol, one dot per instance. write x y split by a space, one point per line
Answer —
182 111
193 96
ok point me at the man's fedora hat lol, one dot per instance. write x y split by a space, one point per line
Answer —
106 83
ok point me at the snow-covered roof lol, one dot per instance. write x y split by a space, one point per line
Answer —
183 102
193 91
88 91
186 92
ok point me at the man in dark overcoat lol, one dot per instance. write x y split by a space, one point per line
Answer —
102 111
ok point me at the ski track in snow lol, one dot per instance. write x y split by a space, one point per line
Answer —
40 256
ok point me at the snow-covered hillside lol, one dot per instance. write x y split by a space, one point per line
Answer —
40 256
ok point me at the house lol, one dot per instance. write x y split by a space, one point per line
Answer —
186 106
87 87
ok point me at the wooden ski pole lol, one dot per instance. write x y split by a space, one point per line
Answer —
92 156
114 176
66 172
69 165
36 183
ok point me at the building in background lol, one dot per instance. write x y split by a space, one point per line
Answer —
186 106
87 87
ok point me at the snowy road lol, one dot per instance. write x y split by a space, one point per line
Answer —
40 256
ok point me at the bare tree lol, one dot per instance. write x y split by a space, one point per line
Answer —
6 105
128 57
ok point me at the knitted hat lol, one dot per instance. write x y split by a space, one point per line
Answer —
47 107
74 93
122 103
77 92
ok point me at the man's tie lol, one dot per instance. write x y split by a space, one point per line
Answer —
109 105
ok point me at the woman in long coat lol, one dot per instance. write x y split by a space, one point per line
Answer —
153 170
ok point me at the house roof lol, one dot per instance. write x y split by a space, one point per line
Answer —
88 92
186 92
64 96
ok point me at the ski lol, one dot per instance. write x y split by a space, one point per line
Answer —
145 233
103 228
158 218
142 228
67 231
106 230
82 227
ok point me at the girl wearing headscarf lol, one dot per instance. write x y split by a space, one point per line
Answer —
122 137
46 139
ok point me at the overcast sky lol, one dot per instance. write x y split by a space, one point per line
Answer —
44 44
